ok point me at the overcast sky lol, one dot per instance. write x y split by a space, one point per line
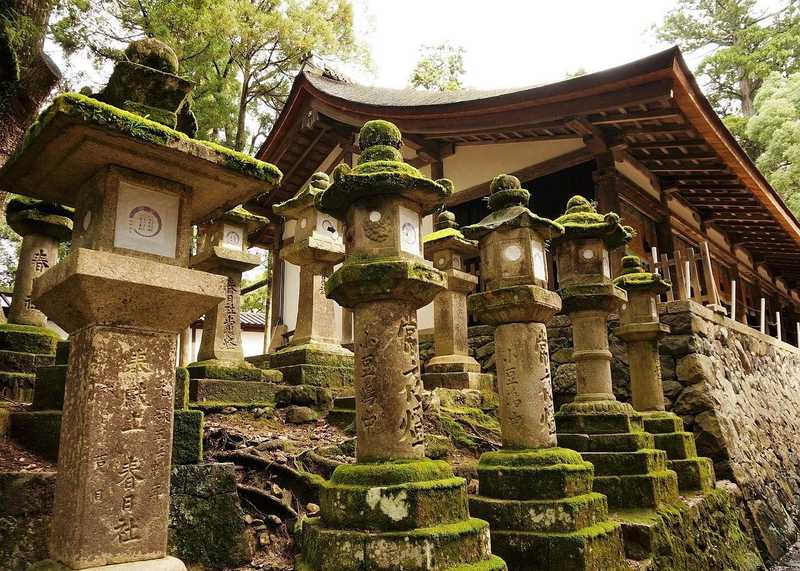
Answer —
508 42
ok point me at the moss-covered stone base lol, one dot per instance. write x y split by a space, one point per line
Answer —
38 431
27 339
187 437
649 490
49 392
543 513
323 354
317 375
206 519
228 371
460 380
27 500
409 515
702 531
23 348
233 392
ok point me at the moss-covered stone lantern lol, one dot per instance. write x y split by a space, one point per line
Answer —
124 293
222 249
607 432
641 329
452 367
25 342
537 497
314 356
393 509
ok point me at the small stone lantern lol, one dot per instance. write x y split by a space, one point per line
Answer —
314 356
42 226
522 485
124 293
607 432
452 367
641 329
222 249
393 508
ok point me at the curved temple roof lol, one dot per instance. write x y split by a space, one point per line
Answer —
650 111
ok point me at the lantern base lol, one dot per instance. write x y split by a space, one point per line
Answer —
231 371
23 349
317 364
404 514
162 564
464 380
695 473
543 513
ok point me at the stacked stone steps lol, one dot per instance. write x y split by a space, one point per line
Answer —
328 366
343 413
410 515
695 473
23 348
630 471
210 382
543 512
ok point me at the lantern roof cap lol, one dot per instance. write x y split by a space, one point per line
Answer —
448 236
581 220
633 276
240 215
304 198
381 170
508 202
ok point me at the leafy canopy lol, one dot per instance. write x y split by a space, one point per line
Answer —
742 44
775 128
440 68
241 54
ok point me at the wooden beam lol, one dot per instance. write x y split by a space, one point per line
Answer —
667 144
688 169
661 156
657 130
654 115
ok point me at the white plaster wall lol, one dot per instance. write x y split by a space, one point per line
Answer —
475 164
252 343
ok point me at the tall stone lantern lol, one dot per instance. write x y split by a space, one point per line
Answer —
452 367
393 509
537 497
641 329
222 249
607 432
314 356
124 293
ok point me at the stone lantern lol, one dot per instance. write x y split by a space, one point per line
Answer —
25 342
314 356
641 329
452 367
220 369
393 509
607 432
124 293
537 497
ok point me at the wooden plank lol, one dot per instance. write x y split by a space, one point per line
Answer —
662 144
680 277
708 274
657 130
667 275
692 258
623 118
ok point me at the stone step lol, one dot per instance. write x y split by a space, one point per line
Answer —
480 381
694 474
49 390
424 549
62 352
345 402
535 482
27 339
623 442
624 463
341 417
599 547
317 375
231 392
563 515
607 422
659 423
677 445
16 362
214 370
651 490
395 508
17 386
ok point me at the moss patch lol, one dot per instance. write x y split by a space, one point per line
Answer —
391 473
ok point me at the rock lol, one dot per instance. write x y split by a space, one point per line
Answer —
485 351
679 345
565 377
693 400
312 509
694 368
269 445
560 356
672 389
708 436
301 414
304 395
274 520
437 447
667 367
229 410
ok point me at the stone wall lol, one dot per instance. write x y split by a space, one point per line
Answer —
737 390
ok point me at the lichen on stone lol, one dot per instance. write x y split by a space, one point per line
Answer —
581 220
633 276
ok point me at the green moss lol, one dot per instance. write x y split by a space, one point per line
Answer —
391 473
634 277
213 369
187 437
443 233
152 52
103 114
379 132
27 339
37 431
19 203
533 457
581 221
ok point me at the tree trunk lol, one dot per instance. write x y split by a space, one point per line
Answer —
240 126
747 92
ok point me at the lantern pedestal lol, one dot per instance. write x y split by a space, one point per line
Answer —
118 403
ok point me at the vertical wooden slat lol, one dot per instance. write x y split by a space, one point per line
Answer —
733 300
683 295
708 272
693 274
778 324
667 275
763 315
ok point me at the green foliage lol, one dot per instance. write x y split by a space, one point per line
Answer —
440 68
743 44
775 129
257 300
242 55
